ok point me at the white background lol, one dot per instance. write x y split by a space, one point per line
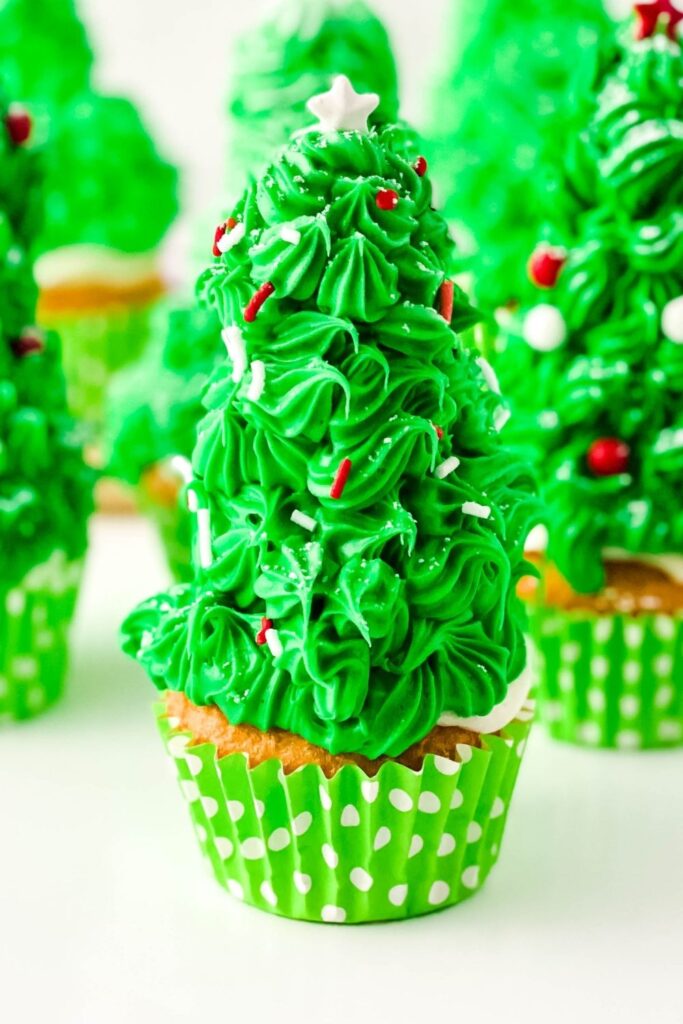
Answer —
108 914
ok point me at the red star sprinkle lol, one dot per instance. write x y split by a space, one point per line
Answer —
266 624
387 199
649 14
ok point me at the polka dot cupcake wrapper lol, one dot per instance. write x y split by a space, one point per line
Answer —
612 681
352 848
34 623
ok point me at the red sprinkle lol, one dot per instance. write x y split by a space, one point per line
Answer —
19 124
420 167
545 265
446 293
30 342
340 479
608 456
439 431
256 301
266 624
387 199
220 231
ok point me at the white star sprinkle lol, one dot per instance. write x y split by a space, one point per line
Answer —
342 109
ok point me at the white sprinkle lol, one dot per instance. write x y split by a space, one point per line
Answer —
258 380
473 508
301 519
447 467
274 643
204 537
489 374
231 238
237 351
290 235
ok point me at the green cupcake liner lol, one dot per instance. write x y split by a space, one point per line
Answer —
349 849
612 681
34 621
95 346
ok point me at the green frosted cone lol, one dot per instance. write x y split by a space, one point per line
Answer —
34 621
613 681
349 849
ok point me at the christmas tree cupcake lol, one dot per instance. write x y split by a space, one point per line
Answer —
344 684
505 82
44 485
98 267
153 411
281 64
596 380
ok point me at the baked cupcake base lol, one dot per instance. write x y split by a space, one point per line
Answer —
353 847
34 621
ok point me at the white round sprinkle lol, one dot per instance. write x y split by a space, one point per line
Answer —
429 803
672 320
330 856
446 766
235 889
382 839
474 832
369 791
279 839
268 893
361 879
470 876
302 823
253 848
416 844
302 882
333 915
439 893
224 847
498 808
544 328
401 800
397 895
235 809
350 816
446 845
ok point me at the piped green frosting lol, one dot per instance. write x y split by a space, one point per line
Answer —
401 602
618 204
279 65
45 488
503 92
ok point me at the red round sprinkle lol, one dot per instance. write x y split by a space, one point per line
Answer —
608 456
387 199
545 264
446 293
439 431
30 342
266 624
342 475
420 167
220 231
18 123
256 301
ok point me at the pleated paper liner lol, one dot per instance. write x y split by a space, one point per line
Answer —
612 681
34 623
350 849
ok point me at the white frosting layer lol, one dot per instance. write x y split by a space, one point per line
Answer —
501 715
92 264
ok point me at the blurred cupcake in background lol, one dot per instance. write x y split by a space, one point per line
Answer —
45 487
110 199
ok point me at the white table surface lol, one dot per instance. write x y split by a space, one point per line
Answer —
108 913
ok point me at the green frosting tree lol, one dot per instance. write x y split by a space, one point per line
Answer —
280 65
595 374
105 183
45 489
360 527
501 99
